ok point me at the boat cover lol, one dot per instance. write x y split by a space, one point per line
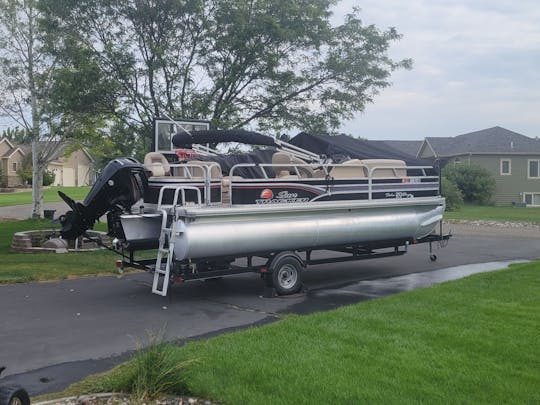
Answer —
345 147
184 139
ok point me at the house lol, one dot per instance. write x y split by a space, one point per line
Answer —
512 159
12 157
410 148
75 169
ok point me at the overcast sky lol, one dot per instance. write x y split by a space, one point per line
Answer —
476 65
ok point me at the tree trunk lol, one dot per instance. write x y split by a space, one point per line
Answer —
37 181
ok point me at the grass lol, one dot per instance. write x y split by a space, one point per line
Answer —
478 212
49 195
23 267
472 341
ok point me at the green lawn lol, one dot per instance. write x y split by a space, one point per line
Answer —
473 341
473 212
22 267
49 195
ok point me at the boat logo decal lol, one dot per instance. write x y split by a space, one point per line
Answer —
268 197
267 194
398 195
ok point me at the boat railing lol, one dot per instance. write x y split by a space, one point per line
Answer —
179 191
324 171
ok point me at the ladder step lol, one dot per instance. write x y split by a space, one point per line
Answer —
164 250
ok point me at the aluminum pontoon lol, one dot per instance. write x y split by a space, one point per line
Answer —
202 211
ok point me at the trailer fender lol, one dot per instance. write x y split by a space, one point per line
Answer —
285 273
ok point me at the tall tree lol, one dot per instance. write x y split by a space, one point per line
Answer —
53 99
24 68
265 64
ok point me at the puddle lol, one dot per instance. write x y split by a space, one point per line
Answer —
324 299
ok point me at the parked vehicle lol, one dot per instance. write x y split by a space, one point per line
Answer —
13 394
201 211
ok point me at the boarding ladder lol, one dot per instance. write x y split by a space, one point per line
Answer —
170 229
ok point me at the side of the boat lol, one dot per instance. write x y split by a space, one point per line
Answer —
212 232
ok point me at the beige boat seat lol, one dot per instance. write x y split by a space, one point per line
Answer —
286 166
198 172
157 163
386 167
350 169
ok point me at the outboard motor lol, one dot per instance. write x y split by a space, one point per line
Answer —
121 184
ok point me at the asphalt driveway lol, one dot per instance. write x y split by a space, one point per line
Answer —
54 333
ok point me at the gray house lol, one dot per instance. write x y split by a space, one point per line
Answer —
513 160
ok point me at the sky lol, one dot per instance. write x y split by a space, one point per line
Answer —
476 64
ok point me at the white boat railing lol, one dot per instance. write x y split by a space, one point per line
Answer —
209 173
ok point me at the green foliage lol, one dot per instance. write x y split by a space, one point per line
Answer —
155 370
452 194
476 183
48 177
16 135
272 65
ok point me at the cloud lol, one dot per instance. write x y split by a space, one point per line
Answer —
475 66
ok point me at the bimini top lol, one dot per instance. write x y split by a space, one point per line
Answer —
346 146
185 140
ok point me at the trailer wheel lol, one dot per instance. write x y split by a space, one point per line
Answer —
286 271
13 395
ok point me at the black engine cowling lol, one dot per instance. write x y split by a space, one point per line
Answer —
122 183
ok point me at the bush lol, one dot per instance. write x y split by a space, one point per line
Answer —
454 198
475 183
26 175
48 177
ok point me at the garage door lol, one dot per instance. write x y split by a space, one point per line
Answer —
69 176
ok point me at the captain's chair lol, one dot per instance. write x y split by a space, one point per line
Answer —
157 164
287 165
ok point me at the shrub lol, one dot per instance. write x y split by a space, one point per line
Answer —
454 198
475 183
48 177
25 174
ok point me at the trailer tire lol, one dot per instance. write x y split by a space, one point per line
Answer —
13 395
286 273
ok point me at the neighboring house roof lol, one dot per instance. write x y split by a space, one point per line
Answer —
11 152
409 147
12 149
491 140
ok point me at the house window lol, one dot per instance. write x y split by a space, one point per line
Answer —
457 161
533 172
531 199
506 167
14 166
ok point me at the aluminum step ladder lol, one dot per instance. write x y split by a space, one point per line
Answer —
167 236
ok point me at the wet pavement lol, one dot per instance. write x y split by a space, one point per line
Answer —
56 333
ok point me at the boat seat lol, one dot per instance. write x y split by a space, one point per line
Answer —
350 169
286 166
199 173
157 163
386 167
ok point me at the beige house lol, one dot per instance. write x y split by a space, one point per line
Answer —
12 157
76 169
